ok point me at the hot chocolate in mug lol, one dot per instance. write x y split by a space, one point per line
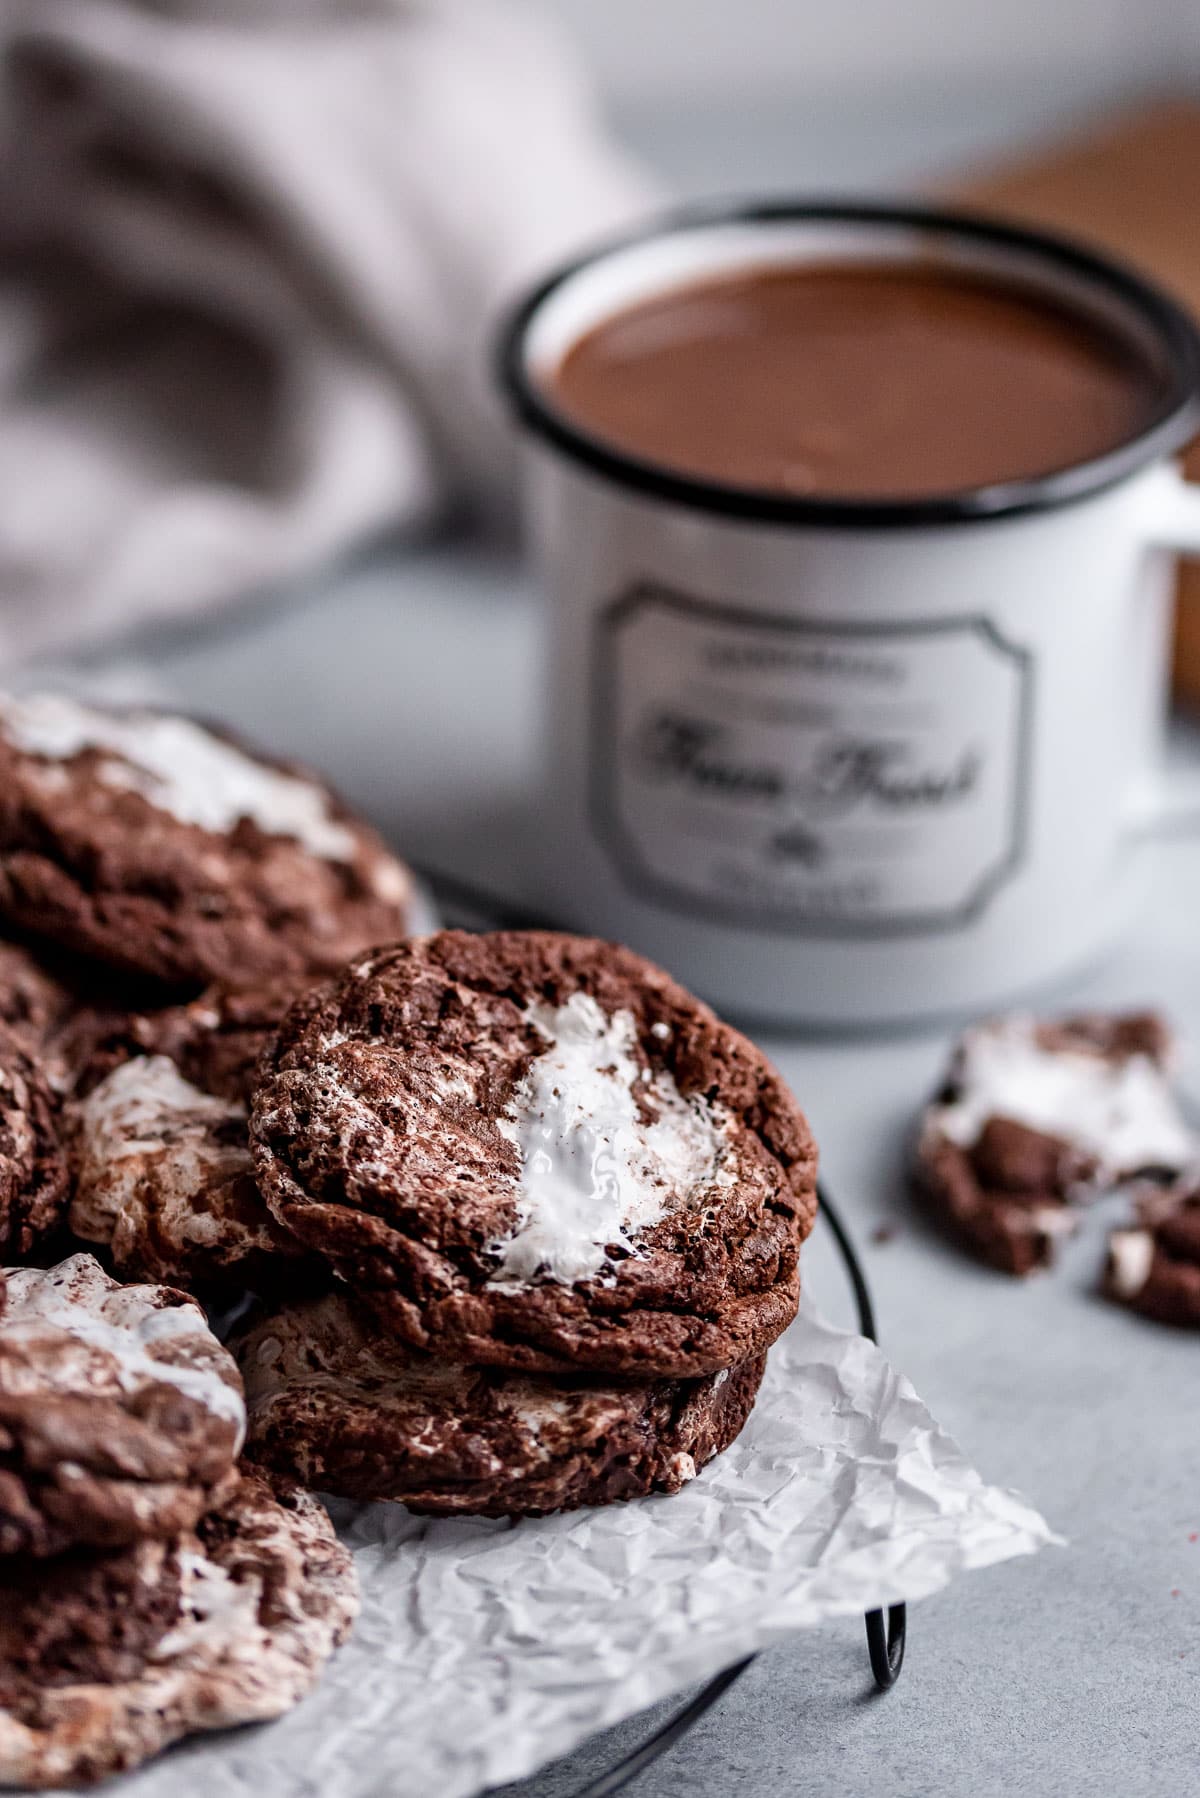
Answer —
852 760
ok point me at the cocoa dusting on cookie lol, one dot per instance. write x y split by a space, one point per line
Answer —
538 1151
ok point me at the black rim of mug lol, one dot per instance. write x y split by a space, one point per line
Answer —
1175 421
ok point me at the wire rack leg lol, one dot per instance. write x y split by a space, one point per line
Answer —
618 1777
885 1644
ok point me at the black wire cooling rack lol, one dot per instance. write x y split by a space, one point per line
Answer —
886 1631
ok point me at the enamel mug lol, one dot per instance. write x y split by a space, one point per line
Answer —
851 763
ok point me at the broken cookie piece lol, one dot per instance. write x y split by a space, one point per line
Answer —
1154 1264
1035 1116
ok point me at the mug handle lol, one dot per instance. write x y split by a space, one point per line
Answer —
1171 802
1174 520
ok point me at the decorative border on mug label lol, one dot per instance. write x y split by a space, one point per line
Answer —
866 778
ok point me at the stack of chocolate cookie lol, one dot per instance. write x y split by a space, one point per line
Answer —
517 1216
149 1586
164 894
563 1205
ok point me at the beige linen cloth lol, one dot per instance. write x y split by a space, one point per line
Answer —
251 253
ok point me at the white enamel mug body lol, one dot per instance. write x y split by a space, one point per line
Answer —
851 763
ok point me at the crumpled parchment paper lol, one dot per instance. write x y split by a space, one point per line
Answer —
486 1648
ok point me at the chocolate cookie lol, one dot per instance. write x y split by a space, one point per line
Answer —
1154 1263
537 1151
169 851
160 1156
1036 1116
106 1659
334 1404
33 1169
121 1415
216 1041
66 1011
34 1006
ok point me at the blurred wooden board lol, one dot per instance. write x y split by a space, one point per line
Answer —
1133 186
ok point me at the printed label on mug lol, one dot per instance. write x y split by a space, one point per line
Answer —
858 779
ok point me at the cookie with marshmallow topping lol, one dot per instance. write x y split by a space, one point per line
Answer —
1035 1116
537 1151
157 1134
340 1407
172 853
107 1658
121 1416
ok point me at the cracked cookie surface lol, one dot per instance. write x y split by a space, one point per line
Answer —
33 1167
159 1147
538 1151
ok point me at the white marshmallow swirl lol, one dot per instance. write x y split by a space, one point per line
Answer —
180 768
1121 1111
596 1172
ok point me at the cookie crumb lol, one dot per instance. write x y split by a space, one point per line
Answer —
1153 1261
